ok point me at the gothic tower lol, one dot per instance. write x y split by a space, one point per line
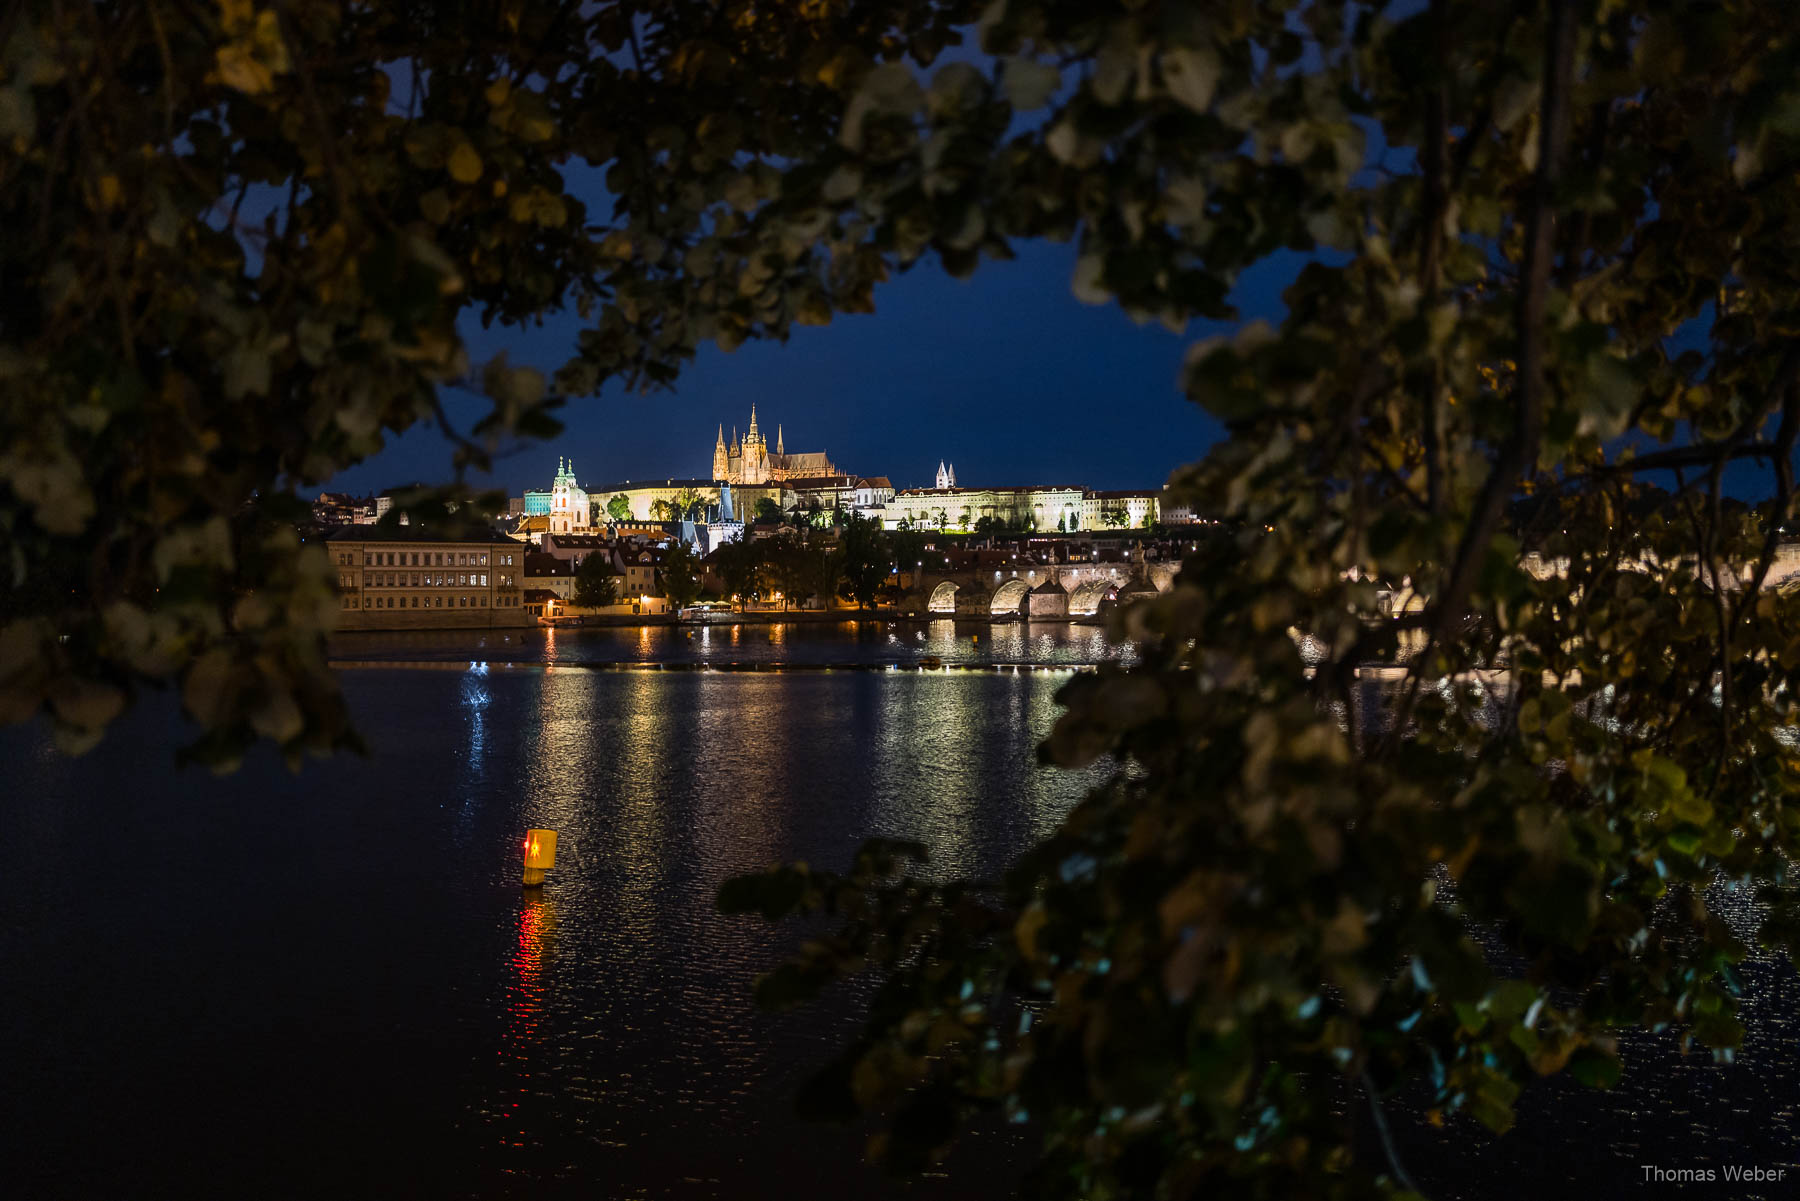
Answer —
721 457
755 463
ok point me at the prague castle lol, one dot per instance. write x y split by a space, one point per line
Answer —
748 476
751 462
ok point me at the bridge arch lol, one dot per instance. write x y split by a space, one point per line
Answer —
1008 597
1085 600
943 598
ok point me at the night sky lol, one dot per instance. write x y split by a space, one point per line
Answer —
1005 375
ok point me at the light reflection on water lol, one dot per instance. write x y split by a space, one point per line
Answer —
811 642
337 979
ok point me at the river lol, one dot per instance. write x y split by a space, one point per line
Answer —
330 983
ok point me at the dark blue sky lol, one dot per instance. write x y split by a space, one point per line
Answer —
1005 374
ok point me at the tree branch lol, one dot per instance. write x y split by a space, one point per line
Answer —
1519 455
1437 133
1681 457
1387 1138
321 127
1784 486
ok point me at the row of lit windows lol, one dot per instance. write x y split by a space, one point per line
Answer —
415 579
431 602
394 558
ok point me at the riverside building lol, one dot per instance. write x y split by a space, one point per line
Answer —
400 579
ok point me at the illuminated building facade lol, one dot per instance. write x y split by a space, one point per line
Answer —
400 580
1044 509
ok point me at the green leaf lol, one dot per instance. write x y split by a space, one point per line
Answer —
1191 73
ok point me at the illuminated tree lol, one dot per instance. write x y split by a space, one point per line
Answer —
678 574
866 558
596 580
619 507
739 565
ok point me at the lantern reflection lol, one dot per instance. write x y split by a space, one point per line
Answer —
533 949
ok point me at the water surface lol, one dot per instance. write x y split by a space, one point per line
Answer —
331 984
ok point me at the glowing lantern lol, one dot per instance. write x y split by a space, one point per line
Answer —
540 855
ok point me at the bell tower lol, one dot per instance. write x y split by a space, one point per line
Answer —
721 457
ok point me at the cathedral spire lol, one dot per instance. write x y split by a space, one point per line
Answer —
721 441
753 437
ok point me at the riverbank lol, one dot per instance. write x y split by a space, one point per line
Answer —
413 623
513 665
813 644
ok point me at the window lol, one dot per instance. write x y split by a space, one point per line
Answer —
484 602
415 603
483 562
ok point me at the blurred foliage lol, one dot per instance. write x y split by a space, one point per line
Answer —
1544 299
1548 252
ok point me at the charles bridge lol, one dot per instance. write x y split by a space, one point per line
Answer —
1059 591
1044 591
